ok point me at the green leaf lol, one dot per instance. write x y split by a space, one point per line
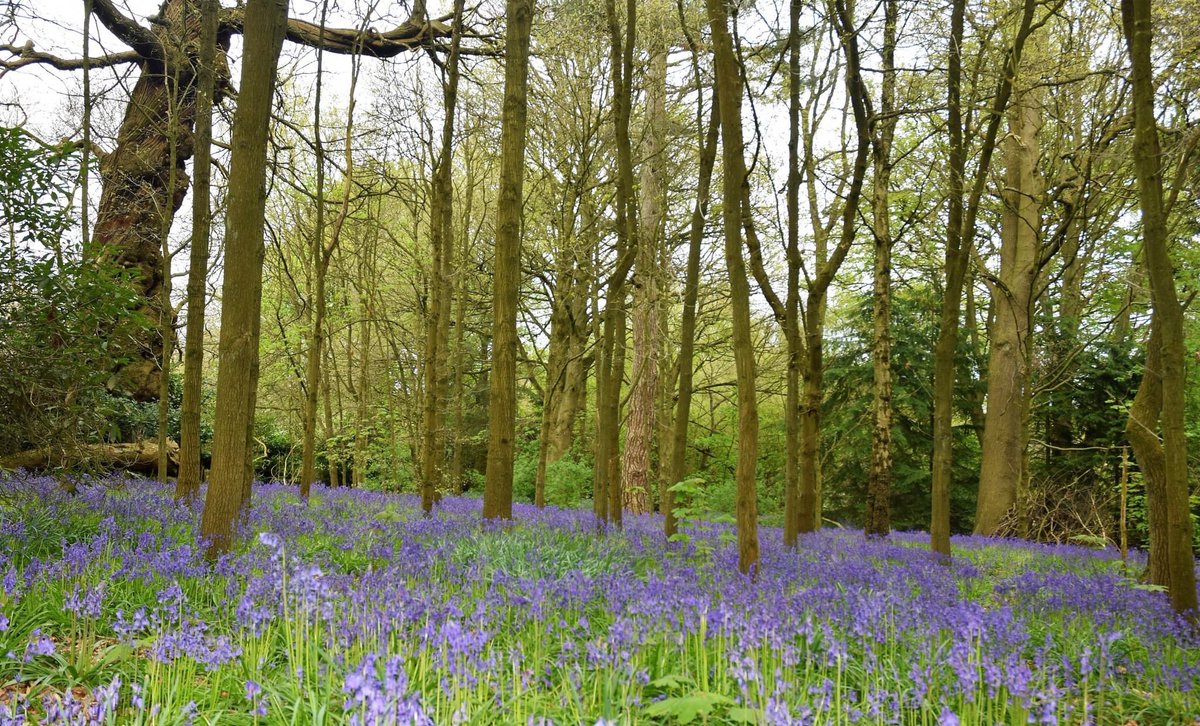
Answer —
671 682
741 714
685 709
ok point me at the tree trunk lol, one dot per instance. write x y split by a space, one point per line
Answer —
1142 430
362 412
960 236
459 359
642 402
320 268
565 383
687 328
879 482
607 500
1008 395
139 456
166 312
729 97
1176 531
437 331
187 485
827 266
144 182
502 397
791 320
237 377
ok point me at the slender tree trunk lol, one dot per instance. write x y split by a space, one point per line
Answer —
615 495
791 321
187 485
437 332
502 397
607 499
1008 395
814 319
166 313
879 482
85 153
729 97
362 414
332 457
1168 313
237 377
459 359
687 328
320 268
642 403
955 267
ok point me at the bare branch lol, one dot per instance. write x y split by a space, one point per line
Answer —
140 39
26 55
412 33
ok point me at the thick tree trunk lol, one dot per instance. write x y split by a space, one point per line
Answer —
1007 393
139 456
642 404
237 377
502 397
960 237
187 485
144 181
1168 313
1141 428
729 97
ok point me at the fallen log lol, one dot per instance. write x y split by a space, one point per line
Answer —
139 456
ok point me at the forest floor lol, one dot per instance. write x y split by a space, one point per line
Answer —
357 609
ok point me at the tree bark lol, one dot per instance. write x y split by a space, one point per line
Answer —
187 485
814 318
1007 391
1141 428
237 377
143 179
691 292
729 98
317 302
437 331
960 236
879 482
642 402
607 499
139 456
502 396
791 319
1176 531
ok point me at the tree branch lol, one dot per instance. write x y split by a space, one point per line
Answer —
26 55
412 33
140 39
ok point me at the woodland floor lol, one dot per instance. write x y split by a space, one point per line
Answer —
357 609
